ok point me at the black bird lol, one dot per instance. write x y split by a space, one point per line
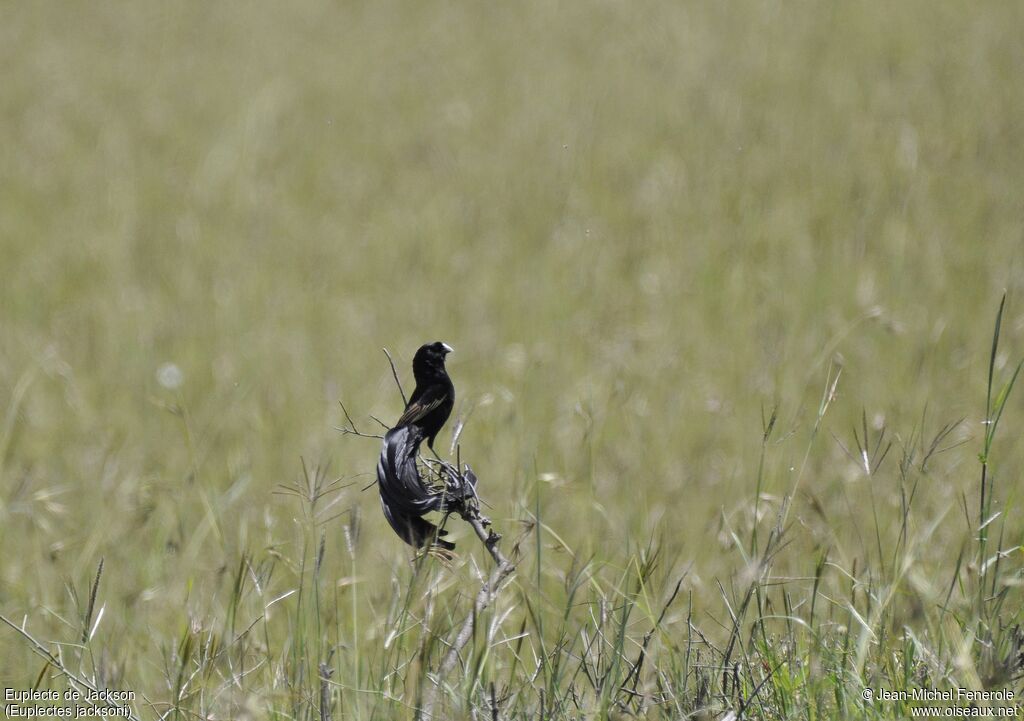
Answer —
432 401
404 496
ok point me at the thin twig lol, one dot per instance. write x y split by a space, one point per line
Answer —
351 430
395 374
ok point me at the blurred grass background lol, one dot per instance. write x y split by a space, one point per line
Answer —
641 226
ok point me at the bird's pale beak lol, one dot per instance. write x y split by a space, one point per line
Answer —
447 348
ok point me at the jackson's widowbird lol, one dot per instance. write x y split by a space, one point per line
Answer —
432 401
403 495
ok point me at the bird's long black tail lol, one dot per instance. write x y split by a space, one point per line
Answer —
403 495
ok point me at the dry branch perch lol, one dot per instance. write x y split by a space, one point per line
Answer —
394 374
466 507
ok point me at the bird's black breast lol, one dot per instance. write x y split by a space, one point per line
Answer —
429 407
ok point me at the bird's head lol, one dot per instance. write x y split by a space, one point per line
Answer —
430 357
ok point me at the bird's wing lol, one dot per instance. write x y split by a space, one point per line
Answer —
420 407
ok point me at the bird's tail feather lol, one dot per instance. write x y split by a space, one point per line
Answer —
414 530
403 495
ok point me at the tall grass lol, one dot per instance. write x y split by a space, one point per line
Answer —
576 636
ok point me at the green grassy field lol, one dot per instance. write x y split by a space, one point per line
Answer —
692 257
